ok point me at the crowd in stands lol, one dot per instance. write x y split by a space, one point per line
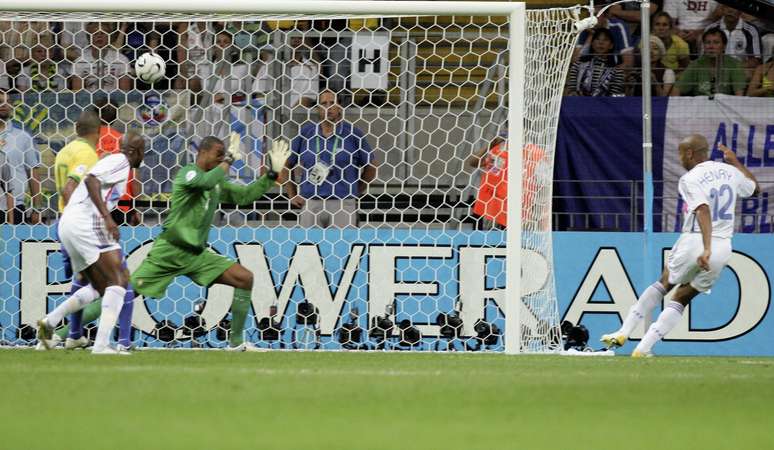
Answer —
699 47
221 67
228 57
217 57
696 48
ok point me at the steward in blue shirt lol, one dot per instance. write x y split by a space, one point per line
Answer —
332 162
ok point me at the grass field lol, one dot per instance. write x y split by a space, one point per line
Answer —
282 400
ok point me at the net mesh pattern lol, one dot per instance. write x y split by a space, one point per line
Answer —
413 259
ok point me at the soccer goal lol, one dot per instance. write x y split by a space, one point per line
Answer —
429 95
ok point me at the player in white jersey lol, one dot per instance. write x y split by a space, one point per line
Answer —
709 191
90 236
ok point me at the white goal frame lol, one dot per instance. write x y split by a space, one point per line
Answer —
516 13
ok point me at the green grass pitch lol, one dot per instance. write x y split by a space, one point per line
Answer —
201 400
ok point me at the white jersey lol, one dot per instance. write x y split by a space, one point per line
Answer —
112 171
690 14
198 41
716 185
101 73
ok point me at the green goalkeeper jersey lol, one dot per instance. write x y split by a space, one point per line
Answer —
196 195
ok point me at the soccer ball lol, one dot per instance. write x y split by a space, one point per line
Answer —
150 67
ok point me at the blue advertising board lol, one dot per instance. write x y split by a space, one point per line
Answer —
365 271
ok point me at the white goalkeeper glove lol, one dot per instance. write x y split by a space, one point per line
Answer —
233 153
278 156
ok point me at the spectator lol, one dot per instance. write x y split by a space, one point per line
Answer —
762 83
662 78
4 81
691 17
335 163
230 76
631 13
158 118
714 72
74 40
101 66
595 74
21 157
196 41
249 37
303 71
677 56
622 50
765 26
42 73
17 38
109 143
744 42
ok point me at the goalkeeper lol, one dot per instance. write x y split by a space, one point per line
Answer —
181 248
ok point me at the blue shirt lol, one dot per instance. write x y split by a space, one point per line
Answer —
352 153
20 155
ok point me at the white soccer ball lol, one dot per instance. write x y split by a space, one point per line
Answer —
150 67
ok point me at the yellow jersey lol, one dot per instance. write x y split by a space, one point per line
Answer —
73 161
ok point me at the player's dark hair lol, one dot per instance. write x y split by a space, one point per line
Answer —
88 123
718 31
208 142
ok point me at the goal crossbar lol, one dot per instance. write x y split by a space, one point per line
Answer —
280 8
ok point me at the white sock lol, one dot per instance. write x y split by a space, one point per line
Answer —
76 302
667 320
111 307
645 304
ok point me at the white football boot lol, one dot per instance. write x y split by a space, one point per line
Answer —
108 351
72 344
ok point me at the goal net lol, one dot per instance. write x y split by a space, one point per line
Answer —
393 231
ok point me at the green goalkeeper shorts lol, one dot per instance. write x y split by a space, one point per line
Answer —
167 261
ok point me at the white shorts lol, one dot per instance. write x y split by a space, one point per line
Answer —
683 267
84 237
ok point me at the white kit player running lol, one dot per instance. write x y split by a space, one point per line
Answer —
709 191
90 237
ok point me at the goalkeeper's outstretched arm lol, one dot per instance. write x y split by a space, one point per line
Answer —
244 195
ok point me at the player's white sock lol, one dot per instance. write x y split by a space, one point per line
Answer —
667 320
75 302
111 307
645 304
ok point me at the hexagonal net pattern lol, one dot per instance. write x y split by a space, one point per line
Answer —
388 228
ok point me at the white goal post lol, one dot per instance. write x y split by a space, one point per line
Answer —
539 45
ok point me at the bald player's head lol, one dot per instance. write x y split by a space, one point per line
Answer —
133 146
693 150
